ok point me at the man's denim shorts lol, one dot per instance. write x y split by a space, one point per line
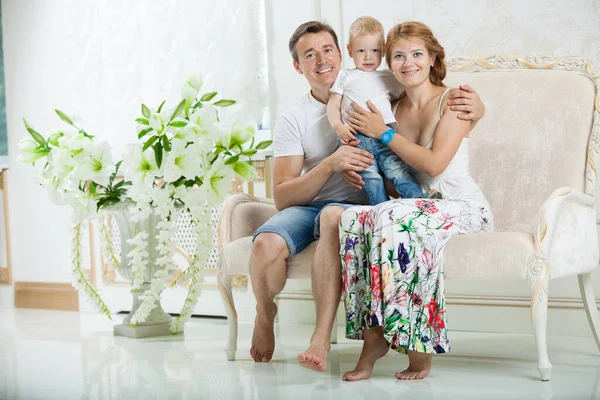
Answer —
298 225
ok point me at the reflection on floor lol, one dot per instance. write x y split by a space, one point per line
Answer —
64 355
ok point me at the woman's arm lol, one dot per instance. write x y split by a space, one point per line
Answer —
448 135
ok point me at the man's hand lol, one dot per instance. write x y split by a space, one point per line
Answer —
348 158
353 179
345 133
466 100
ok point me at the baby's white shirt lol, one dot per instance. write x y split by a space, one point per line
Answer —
381 87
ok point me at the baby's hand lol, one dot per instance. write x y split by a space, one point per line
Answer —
345 133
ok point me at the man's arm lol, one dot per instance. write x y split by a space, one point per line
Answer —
292 188
467 101
334 115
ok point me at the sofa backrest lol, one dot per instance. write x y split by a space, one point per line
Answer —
540 131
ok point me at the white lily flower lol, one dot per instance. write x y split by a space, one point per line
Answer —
240 133
216 181
140 166
29 152
187 133
157 122
83 204
191 87
55 192
97 165
245 171
181 161
75 142
62 162
206 120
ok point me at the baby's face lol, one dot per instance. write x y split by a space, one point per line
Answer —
366 51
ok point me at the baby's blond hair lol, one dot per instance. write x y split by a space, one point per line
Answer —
366 26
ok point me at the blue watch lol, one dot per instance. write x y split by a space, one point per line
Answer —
387 136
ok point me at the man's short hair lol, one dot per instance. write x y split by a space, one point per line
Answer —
310 27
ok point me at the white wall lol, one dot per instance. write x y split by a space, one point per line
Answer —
464 27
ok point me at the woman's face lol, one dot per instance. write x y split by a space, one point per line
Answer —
410 62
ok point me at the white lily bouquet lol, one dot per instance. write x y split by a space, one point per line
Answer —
185 159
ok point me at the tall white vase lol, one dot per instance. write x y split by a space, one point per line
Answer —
158 322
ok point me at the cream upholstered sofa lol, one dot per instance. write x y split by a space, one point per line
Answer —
534 156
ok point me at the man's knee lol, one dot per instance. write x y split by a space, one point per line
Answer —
269 247
330 218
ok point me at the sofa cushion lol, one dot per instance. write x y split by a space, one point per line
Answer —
489 255
236 259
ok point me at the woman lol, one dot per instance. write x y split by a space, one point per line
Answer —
392 253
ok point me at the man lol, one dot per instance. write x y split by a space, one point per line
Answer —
309 188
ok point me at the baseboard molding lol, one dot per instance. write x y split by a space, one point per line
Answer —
500 314
46 296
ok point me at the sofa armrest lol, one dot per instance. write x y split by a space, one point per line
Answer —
241 215
566 236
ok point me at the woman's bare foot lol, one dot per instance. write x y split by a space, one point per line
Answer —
263 337
315 357
419 365
374 347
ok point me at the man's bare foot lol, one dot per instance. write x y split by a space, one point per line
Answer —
419 365
374 347
315 357
263 337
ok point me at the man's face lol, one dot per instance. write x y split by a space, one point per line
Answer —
319 60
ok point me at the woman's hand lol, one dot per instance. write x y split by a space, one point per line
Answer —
467 101
369 123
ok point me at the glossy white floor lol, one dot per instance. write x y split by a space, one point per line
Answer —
67 355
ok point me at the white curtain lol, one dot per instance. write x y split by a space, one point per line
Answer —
100 59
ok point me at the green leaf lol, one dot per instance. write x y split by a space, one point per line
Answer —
150 142
142 121
144 132
208 96
224 103
146 111
178 110
36 136
87 135
186 107
114 174
101 202
219 150
249 152
166 143
232 160
178 124
161 106
64 117
264 144
158 153
53 140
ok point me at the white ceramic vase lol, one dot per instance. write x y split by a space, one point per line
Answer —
158 322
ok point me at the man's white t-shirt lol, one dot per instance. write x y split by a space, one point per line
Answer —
304 130
359 86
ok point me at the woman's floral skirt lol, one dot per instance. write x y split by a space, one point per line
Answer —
392 268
